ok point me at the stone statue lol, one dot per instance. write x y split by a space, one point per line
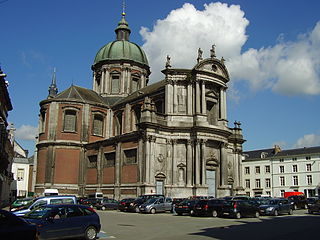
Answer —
213 51
199 55
168 62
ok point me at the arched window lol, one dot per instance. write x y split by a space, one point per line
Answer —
97 126
70 121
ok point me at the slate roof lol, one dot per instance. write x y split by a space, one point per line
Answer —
80 94
256 154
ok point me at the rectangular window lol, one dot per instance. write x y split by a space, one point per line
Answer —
247 183
282 193
20 174
258 183
98 125
115 84
267 169
268 193
295 168
257 170
268 183
295 181
247 170
130 156
70 121
134 84
281 160
309 179
110 159
282 181
308 167
281 169
92 161
308 158
294 159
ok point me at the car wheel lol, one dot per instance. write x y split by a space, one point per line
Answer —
214 213
103 208
290 211
90 233
238 215
275 213
191 212
295 207
309 211
153 211
256 214
136 209
305 206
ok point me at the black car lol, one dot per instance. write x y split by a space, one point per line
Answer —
276 206
90 202
186 206
122 206
209 207
298 201
13 227
313 205
240 208
107 203
133 206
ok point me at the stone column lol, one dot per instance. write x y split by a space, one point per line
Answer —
99 167
197 97
223 165
203 161
174 162
107 81
94 84
197 171
118 164
203 98
189 99
140 176
189 163
175 97
223 104
152 158
102 81
147 169
169 161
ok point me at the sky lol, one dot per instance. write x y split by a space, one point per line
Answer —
271 48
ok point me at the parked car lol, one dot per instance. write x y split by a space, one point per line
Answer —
240 208
123 204
107 203
154 205
298 201
240 197
209 207
276 206
91 202
41 201
133 206
313 205
14 228
186 206
65 221
21 203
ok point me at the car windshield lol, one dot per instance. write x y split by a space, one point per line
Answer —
39 212
273 202
22 202
152 200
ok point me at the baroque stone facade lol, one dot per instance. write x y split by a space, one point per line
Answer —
126 138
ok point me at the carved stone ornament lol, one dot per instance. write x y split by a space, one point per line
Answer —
160 158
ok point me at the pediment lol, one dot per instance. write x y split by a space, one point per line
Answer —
214 66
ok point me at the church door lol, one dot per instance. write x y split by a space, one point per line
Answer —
211 181
159 187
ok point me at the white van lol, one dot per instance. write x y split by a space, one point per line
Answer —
51 192
41 201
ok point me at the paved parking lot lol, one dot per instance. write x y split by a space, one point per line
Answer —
125 226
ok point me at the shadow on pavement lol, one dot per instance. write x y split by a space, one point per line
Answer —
276 228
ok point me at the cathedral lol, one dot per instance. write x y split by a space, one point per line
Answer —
126 137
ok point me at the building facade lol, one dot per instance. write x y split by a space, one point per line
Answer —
126 137
6 142
274 171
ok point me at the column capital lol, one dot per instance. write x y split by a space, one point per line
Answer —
151 138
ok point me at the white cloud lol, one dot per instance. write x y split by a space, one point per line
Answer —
289 68
26 132
309 140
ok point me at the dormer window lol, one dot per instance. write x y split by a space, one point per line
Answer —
264 155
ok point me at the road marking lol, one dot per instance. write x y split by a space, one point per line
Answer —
103 235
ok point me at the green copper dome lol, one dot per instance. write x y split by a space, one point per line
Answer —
122 48
119 50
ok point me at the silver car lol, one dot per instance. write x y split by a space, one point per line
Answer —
155 205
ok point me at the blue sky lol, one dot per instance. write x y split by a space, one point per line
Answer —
272 50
